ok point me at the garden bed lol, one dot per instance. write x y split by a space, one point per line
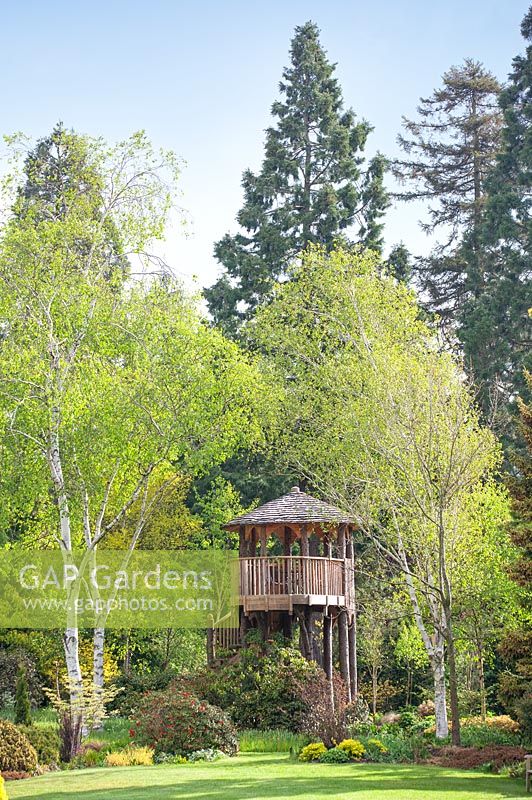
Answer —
495 755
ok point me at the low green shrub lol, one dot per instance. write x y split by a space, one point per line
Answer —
272 741
45 740
89 758
169 758
515 770
354 749
375 749
334 756
312 752
207 754
16 752
482 735
399 747
178 722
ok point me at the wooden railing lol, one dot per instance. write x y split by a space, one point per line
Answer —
291 575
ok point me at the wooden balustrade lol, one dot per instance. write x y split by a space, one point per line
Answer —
276 576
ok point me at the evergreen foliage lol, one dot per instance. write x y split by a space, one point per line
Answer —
313 186
22 699
496 328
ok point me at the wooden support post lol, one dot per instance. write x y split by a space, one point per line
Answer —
304 541
328 646
245 625
287 544
211 647
305 643
343 650
263 541
287 620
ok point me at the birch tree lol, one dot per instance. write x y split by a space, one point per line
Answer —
106 382
379 420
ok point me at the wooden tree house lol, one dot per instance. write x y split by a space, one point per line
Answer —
296 562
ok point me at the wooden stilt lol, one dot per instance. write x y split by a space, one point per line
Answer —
211 647
343 651
328 646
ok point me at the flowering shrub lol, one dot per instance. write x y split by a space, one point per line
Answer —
353 748
334 756
130 757
3 793
178 722
312 752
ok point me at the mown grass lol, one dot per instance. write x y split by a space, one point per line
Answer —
269 777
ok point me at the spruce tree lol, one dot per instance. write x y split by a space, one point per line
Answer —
495 327
22 698
449 151
313 186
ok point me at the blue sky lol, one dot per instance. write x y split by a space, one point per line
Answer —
200 77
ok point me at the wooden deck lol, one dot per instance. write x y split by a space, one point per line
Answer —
278 583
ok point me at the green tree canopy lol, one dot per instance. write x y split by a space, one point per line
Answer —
379 419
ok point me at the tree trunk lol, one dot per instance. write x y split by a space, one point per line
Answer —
453 687
75 684
482 686
440 702
98 674
374 688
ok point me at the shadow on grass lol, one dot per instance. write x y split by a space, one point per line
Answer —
258 778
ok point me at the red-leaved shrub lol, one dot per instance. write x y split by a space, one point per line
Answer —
176 721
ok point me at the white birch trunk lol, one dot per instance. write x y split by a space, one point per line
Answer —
71 648
98 674
440 698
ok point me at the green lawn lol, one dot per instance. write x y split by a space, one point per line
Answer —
253 776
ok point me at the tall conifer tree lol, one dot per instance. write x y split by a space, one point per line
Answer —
496 327
449 150
313 186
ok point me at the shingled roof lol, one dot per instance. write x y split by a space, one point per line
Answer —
295 507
